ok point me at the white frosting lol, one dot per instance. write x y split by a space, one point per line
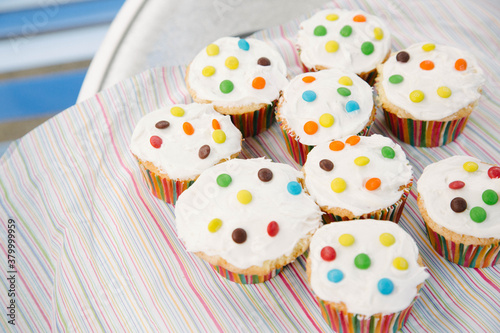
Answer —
348 56
296 111
464 85
433 187
393 173
358 289
178 155
296 215
207 88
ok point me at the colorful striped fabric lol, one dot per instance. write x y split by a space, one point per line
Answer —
96 251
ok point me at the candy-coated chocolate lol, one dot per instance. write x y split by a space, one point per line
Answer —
335 275
346 239
204 151
326 120
244 197
385 286
273 228
326 165
188 128
478 214
362 261
214 225
490 197
388 152
265 175
458 204
320 30
223 180
239 235
387 239
456 185
331 46
294 188
309 96
155 141
338 185
328 253
177 111
162 124
351 106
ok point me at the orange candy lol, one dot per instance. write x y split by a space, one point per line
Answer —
310 127
359 18
308 79
215 124
353 140
337 145
259 83
460 64
373 184
427 65
188 128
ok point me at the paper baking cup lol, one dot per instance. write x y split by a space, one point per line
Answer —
391 213
245 279
422 133
253 123
474 256
345 322
165 189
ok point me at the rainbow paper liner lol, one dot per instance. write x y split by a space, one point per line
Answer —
421 133
474 256
245 279
299 151
164 188
253 123
345 322
391 213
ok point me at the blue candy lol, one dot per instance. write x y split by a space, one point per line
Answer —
351 106
308 95
385 286
335 275
243 44
294 188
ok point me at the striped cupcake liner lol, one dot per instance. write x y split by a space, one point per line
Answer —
253 123
165 189
422 133
245 279
474 256
345 322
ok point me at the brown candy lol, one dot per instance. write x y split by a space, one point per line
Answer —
162 124
263 61
204 151
239 235
403 56
265 174
326 165
458 205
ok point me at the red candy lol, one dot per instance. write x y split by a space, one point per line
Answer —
156 141
456 185
273 228
328 253
494 172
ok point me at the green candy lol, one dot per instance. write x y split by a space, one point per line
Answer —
395 79
478 214
367 48
320 30
346 31
226 86
344 91
362 261
490 197
388 152
223 180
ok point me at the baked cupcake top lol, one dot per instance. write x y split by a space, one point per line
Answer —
431 82
234 72
370 266
351 40
461 193
360 173
183 140
246 211
326 105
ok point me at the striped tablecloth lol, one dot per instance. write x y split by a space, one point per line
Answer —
95 251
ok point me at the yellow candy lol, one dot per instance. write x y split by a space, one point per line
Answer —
212 50
444 92
400 263
332 17
177 111
470 166
214 225
208 71
387 239
417 96
244 197
345 80
331 46
326 120
232 62
428 47
362 160
219 136
338 185
346 240
379 33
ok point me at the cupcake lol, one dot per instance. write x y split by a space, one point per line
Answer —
350 40
458 199
366 275
359 177
428 92
241 78
247 218
323 106
174 144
